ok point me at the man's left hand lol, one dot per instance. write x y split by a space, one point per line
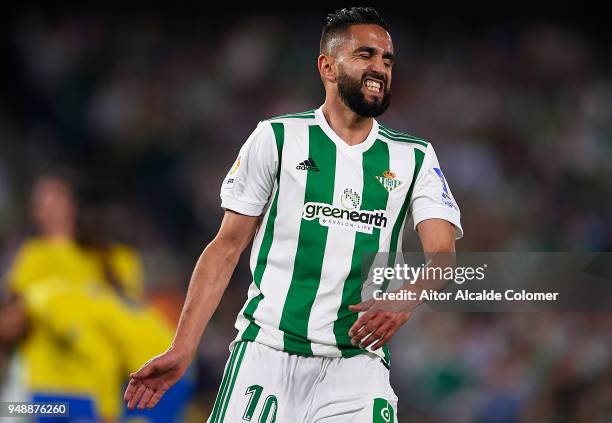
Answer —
381 320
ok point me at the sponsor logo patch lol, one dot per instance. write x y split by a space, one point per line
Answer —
446 198
232 172
349 216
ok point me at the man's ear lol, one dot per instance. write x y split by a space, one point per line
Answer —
326 67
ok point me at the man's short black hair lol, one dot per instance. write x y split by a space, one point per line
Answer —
336 23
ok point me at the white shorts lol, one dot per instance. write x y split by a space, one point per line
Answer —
264 385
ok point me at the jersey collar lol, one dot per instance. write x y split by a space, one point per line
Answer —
363 146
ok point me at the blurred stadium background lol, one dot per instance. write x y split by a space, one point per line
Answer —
147 112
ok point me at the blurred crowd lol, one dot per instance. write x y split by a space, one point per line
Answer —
148 114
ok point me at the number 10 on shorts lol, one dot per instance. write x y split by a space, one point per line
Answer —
270 405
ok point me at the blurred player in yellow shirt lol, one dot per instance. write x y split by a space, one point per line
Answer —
87 324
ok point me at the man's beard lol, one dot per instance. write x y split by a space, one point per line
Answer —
351 95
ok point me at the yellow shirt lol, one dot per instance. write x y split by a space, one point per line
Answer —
83 338
40 258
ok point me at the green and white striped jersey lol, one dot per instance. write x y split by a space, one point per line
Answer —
324 204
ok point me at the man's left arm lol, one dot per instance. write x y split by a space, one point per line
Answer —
436 218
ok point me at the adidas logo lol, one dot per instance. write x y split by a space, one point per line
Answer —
308 165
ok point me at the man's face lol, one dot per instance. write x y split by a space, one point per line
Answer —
364 61
52 204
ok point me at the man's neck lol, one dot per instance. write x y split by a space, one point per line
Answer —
58 232
349 126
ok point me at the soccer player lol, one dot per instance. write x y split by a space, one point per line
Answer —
316 190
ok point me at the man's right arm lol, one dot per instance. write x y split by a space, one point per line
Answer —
209 280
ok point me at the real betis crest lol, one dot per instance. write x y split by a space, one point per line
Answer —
388 181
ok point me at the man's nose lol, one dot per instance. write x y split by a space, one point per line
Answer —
378 66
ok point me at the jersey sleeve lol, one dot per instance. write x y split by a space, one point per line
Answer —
432 197
249 183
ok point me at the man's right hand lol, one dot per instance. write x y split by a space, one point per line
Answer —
154 378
